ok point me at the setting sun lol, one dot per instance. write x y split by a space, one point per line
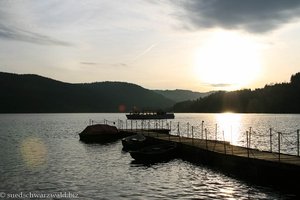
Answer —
228 60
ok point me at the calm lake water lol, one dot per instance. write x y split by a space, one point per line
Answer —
41 155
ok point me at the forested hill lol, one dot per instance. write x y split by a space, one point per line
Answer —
182 95
278 98
36 94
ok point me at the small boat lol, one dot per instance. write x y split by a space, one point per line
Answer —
100 133
134 142
150 115
155 153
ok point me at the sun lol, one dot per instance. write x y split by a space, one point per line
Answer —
228 60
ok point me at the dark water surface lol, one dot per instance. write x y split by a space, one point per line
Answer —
42 154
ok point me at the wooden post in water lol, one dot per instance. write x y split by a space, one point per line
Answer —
271 140
298 142
131 124
279 146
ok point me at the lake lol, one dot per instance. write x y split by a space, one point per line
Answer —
41 155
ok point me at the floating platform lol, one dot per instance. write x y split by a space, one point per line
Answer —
103 133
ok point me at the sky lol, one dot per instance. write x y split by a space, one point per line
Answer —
199 45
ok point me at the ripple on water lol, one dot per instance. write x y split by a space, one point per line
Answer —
60 162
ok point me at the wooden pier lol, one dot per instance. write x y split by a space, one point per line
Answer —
272 168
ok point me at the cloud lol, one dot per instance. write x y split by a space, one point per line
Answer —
147 50
105 65
120 65
19 34
221 85
88 63
257 16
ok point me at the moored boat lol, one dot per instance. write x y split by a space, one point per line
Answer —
150 115
154 153
101 133
134 142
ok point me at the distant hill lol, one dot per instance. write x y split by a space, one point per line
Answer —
182 95
37 94
278 98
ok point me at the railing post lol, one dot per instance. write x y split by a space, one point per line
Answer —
298 142
136 125
193 135
202 123
279 134
206 139
231 134
250 132
169 135
224 142
216 133
188 129
170 126
178 131
271 140
247 139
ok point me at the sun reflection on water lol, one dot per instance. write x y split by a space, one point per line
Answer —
229 124
34 152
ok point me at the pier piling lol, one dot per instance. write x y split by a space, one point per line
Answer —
298 142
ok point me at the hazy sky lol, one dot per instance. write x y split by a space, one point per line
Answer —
200 45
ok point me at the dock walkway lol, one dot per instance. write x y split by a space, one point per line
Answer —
274 168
